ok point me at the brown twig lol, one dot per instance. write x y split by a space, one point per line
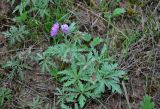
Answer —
126 95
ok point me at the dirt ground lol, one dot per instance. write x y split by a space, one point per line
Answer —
142 65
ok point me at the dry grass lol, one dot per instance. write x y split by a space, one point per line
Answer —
142 61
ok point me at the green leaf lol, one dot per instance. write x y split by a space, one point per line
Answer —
16 34
5 94
17 67
70 98
115 87
54 72
87 37
108 16
118 11
22 17
19 8
76 106
80 85
147 103
68 83
103 51
81 100
63 106
96 41
72 27
100 88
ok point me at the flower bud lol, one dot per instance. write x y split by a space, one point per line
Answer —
65 28
54 29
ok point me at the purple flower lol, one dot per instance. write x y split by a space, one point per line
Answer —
54 29
65 28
